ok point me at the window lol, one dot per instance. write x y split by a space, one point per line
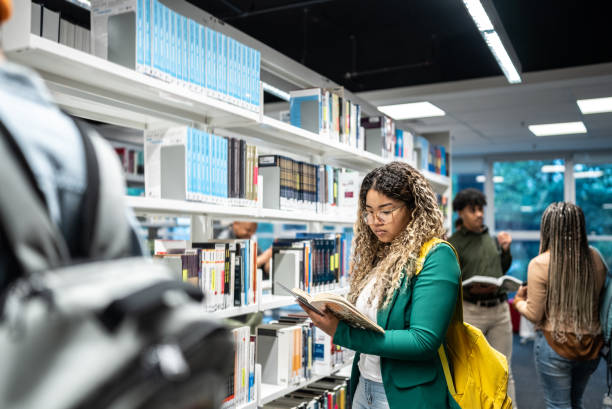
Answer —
523 189
594 196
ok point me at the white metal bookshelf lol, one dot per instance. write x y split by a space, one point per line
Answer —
167 206
93 88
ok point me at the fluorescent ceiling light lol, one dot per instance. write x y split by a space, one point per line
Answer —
607 206
492 35
552 169
502 57
481 178
411 110
588 174
595 105
561 128
526 209
479 15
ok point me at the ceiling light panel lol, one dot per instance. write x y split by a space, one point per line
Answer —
479 15
501 55
561 128
411 110
595 105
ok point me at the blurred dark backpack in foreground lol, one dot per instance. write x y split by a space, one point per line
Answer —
84 323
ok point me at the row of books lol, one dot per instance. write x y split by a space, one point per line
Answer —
289 184
332 392
241 383
132 160
327 112
379 135
185 163
312 262
431 157
225 270
155 40
51 25
292 351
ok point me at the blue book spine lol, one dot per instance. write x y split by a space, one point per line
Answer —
216 173
195 163
147 34
230 67
185 49
182 69
155 31
139 35
254 83
249 75
257 78
165 37
224 167
219 62
223 64
213 60
173 40
196 55
208 59
203 164
200 164
202 57
241 67
208 159
192 59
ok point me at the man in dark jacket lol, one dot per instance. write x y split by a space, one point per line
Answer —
484 306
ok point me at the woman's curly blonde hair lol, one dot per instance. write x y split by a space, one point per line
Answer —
399 181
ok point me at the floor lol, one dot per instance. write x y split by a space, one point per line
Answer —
529 394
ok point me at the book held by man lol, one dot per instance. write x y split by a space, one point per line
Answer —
506 282
338 306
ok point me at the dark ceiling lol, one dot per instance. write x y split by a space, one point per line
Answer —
374 44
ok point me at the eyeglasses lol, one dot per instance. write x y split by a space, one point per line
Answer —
384 216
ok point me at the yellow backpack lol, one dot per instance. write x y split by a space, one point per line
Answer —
476 373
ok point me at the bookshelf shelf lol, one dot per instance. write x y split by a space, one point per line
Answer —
148 205
134 178
292 137
249 405
438 182
235 311
95 88
271 392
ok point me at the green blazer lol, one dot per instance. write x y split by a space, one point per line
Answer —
415 323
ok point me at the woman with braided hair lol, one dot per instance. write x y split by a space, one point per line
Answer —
397 214
565 282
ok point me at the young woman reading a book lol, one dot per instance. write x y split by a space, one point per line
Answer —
399 368
562 300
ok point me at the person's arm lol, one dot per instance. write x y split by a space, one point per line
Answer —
534 305
433 303
504 240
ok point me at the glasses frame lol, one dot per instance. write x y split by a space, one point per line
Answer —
376 215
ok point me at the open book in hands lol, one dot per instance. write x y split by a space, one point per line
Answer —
506 282
337 305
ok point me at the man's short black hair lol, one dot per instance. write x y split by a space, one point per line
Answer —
469 197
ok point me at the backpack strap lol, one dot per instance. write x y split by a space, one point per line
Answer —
457 315
36 243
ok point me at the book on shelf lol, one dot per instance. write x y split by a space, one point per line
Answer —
185 163
241 382
151 38
225 270
505 282
337 305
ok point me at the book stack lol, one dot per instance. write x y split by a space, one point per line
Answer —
225 270
327 112
293 350
153 39
184 163
293 185
331 392
241 383
379 135
431 157
404 146
313 262
56 26
132 160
